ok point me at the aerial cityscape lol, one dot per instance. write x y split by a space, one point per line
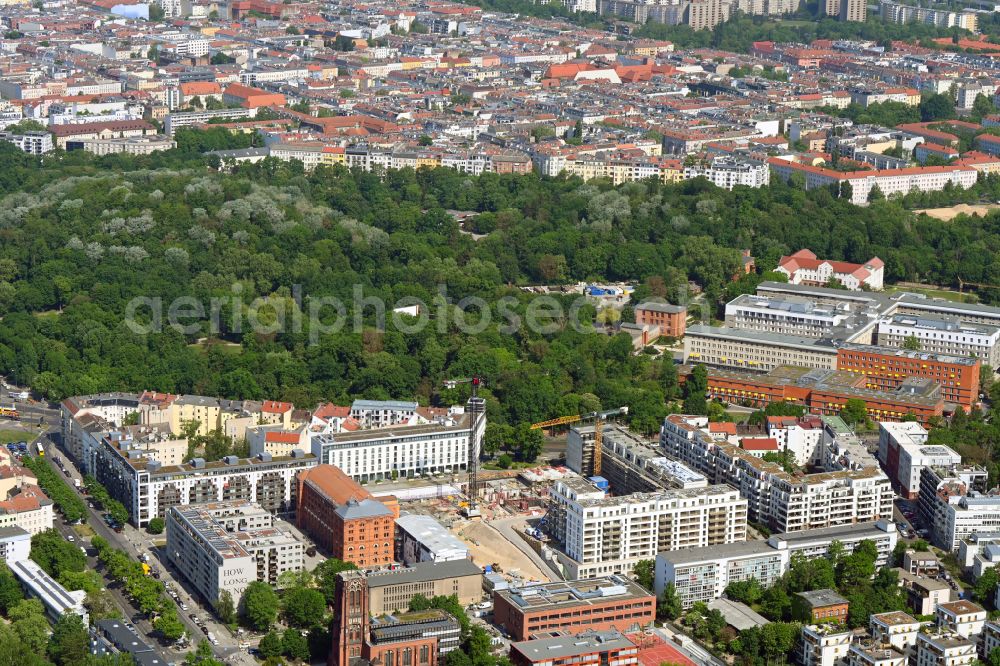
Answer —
499 333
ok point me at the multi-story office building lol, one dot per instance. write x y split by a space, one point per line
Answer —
904 452
944 648
825 644
587 648
345 519
227 545
441 447
825 392
601 604
609 535
942 335
886 368
390 591
792 316
702 574
729 347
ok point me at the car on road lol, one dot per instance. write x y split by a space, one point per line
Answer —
70 538
204 630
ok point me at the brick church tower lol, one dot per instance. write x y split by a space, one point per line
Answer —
351 625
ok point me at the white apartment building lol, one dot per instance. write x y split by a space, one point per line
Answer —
799 317
786 502
824 644
729 347
895 12
942 335
148 488
944 648
609 535
954 506
903 452
129 145
728 172
383 413
83 418
33 143
702 574
227 545
890 181
441 447
961 617
895 628
870 653
989 639
188 118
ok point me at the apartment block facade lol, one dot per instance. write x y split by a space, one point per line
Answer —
227 545
609 535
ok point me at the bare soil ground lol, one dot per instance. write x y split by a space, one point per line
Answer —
493 547
952 212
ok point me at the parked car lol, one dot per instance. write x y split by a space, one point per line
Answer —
204 630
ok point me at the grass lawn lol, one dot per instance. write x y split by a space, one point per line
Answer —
10 435
936 293
84 530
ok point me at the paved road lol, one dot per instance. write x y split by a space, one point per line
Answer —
506 527
135 543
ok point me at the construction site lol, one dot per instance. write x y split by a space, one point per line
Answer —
498 516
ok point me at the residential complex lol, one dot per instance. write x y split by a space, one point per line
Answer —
785 502
903 452
225 546
608 535
702 574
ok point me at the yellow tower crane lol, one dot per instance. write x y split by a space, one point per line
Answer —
598 418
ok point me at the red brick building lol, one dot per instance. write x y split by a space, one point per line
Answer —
886 369
598 604
824 392
820 606
672 319
345 519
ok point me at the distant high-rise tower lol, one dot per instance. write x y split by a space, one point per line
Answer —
351 624
847 10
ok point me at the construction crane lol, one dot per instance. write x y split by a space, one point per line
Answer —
477 413
598 418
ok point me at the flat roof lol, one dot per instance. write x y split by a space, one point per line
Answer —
423 572
822 345
562 647
820 598
720 552
559 594
430 533
854 532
